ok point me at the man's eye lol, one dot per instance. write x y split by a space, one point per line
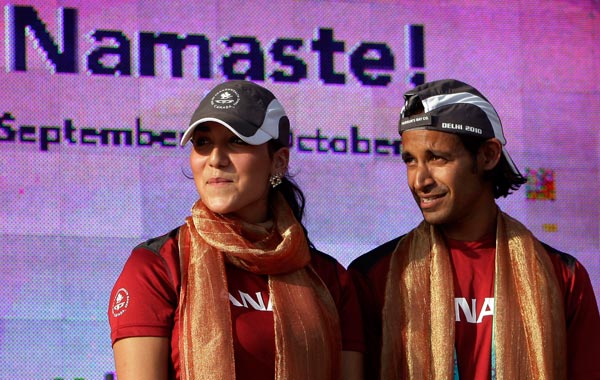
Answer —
407 159
439 160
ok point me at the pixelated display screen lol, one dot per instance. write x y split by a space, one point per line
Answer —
96 94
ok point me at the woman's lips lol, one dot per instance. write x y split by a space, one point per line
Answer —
217 180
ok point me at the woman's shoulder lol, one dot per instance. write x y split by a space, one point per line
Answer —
157 256
158 245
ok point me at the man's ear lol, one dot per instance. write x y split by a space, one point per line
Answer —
281 159
489 154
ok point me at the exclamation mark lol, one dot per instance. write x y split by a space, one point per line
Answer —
415 53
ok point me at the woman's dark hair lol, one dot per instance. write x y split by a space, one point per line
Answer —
291 192
505 181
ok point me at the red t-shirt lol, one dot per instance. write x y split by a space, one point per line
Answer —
145 297
473 264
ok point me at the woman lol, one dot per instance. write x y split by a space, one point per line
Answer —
238 291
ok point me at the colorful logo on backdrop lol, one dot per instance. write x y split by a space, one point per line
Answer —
541 185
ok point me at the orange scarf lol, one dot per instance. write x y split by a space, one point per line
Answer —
418 316
307 331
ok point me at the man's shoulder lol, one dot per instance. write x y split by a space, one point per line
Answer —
557 255
365 262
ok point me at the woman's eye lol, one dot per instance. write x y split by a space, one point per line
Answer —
200 141
238 141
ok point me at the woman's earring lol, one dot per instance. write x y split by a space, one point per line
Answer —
275 180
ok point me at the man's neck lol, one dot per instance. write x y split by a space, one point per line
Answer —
473 230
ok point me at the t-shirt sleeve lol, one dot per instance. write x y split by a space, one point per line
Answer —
342 290
144 297
583 323
350 314
369 275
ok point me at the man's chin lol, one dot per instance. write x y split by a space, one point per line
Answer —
433 217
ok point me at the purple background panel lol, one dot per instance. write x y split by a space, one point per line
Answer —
75 206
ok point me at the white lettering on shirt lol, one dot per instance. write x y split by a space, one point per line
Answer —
470 312
247 301
487 309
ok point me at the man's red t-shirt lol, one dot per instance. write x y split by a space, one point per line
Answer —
473 264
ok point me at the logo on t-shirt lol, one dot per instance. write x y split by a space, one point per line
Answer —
120 302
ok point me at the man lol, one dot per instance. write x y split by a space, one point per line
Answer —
470 293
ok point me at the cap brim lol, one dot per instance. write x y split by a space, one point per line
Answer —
259 137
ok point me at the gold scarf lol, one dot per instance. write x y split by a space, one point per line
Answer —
529 328
307 330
